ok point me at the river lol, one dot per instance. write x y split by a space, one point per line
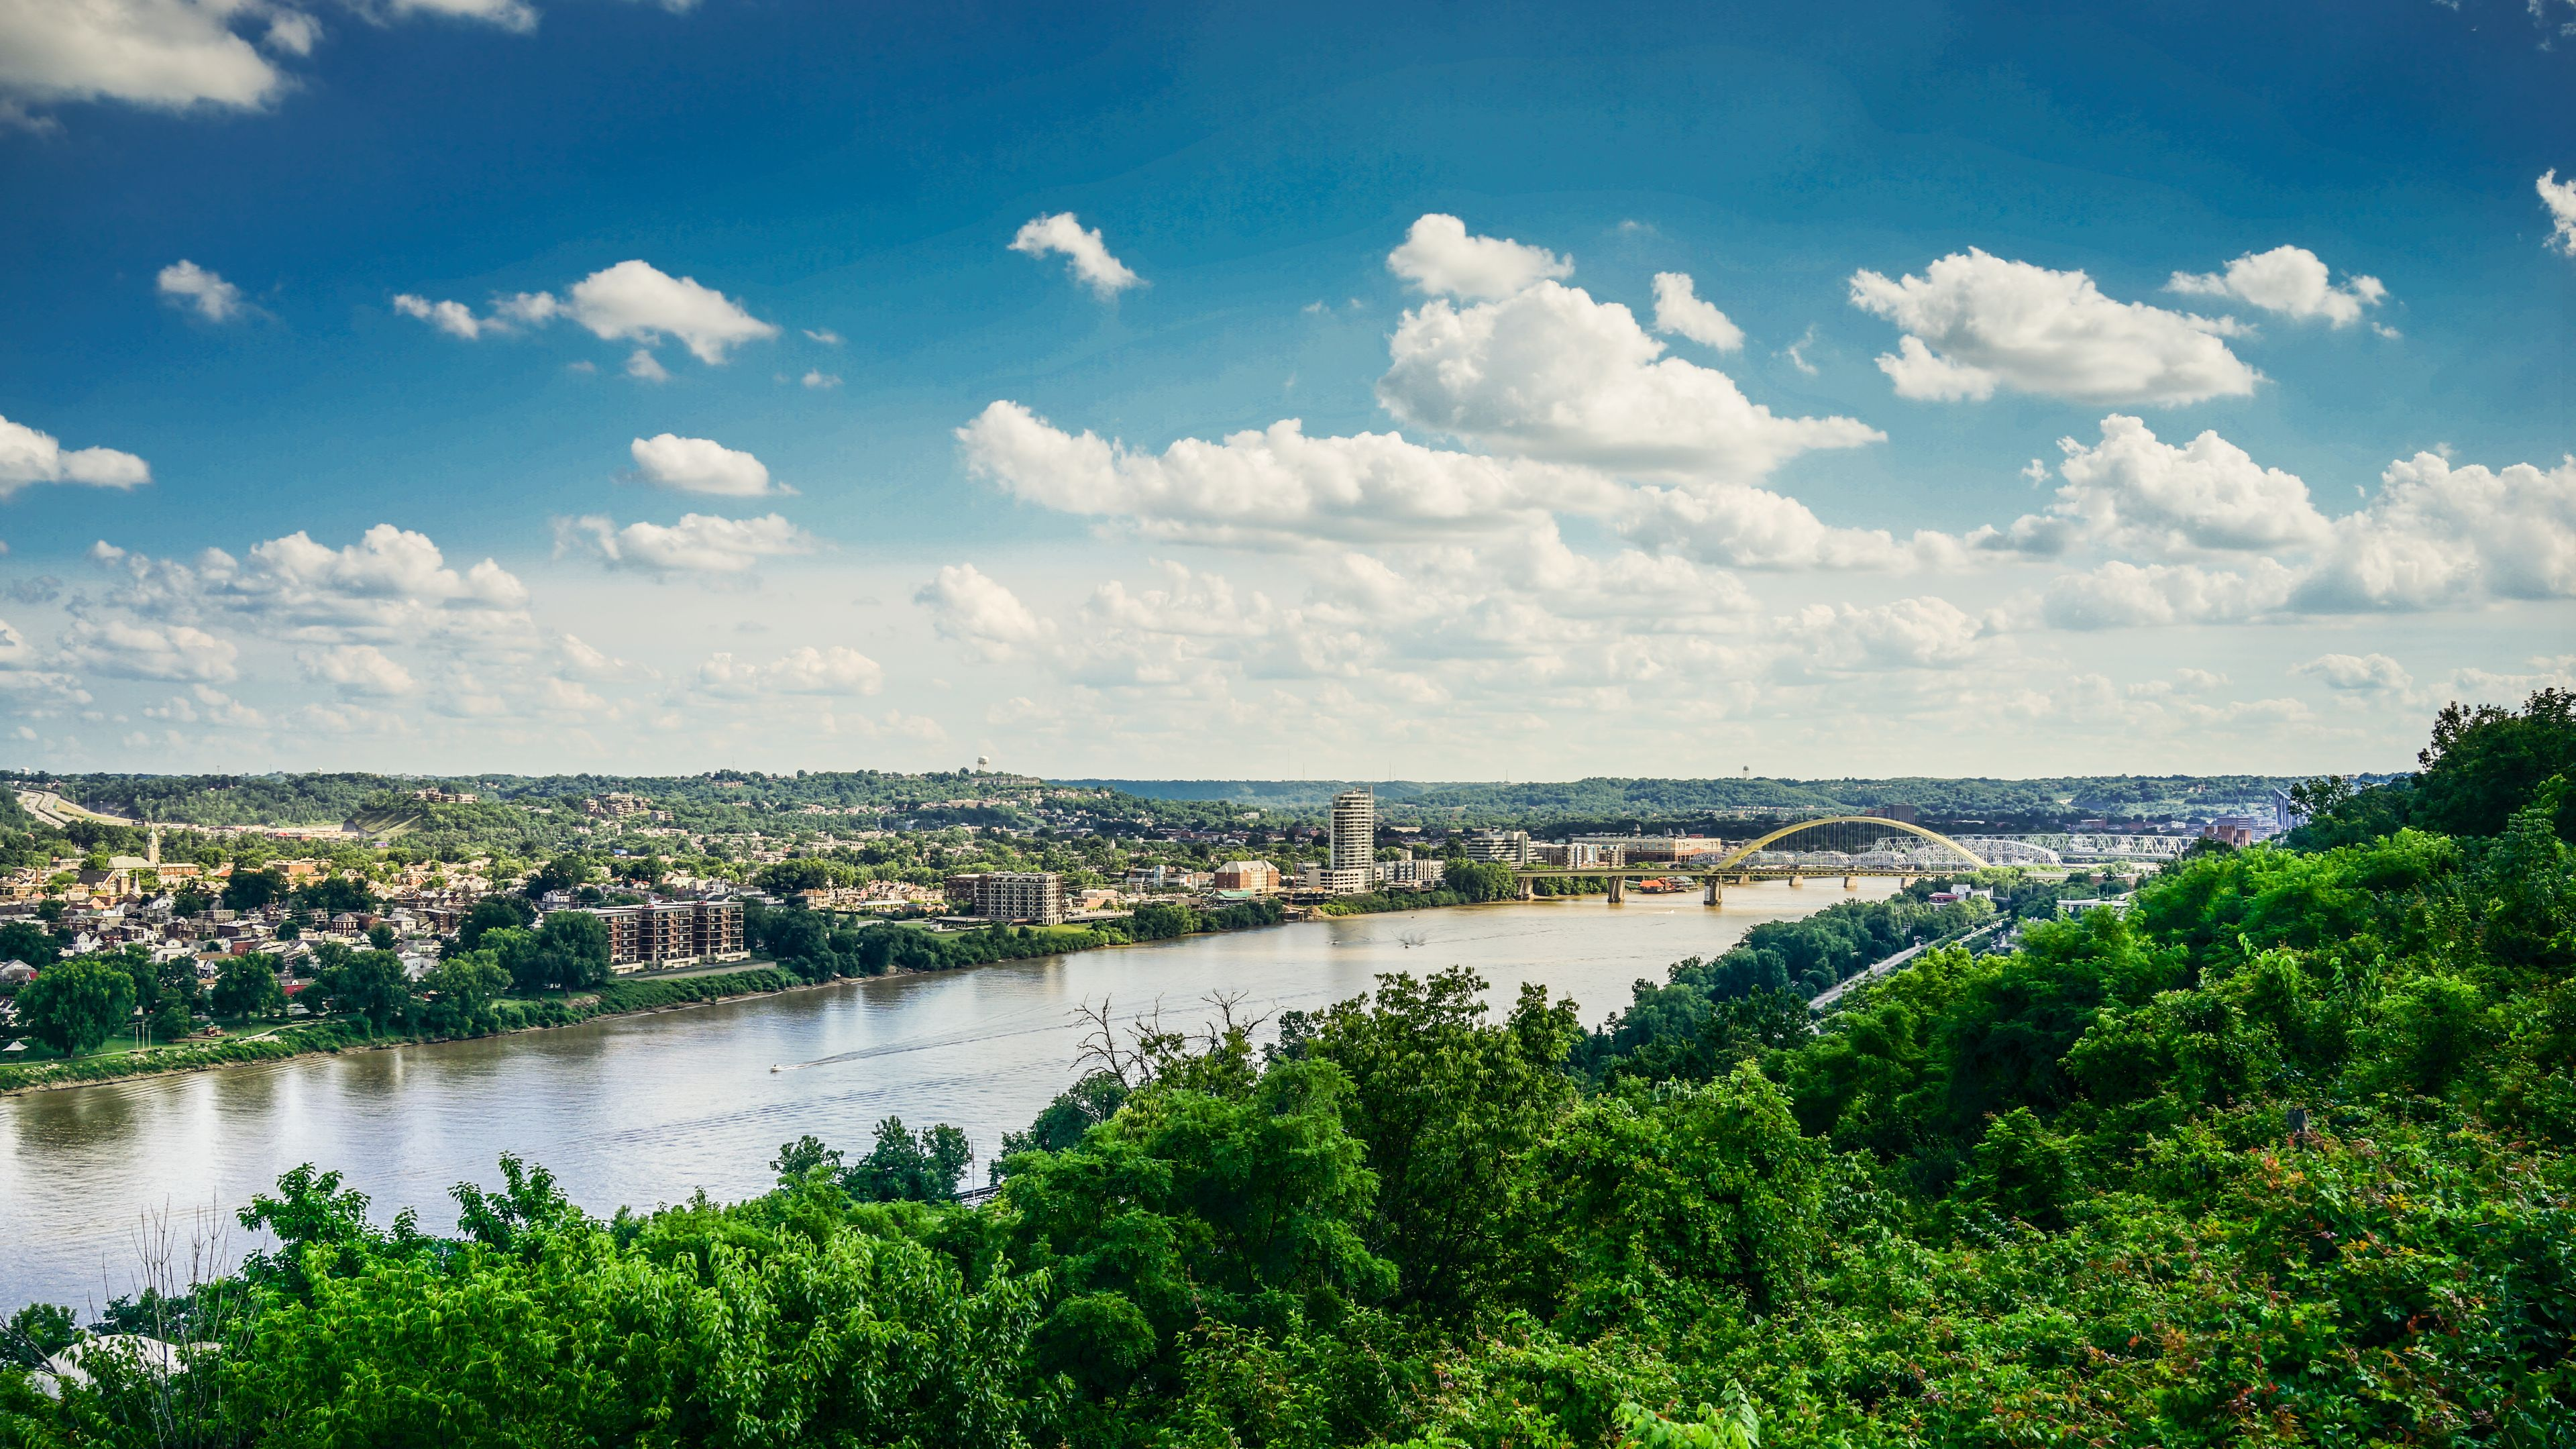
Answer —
647 1109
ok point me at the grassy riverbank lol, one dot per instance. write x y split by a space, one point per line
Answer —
616 998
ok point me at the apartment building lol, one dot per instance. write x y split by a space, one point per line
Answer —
1034 896
672 933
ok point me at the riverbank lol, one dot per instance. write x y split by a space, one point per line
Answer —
615 998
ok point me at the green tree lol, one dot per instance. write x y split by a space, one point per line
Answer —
494 913
1448 1103
905 1166
370 985
381 936
572 947
335 894
563 873
253 889
77 1005
2485 763
247 986
462 990
26 941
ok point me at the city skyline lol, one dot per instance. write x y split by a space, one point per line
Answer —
1656 392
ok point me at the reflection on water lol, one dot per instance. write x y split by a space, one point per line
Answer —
646 1109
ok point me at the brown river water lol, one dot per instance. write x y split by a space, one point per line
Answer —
647 1109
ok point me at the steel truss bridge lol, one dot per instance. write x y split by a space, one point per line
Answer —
1757 860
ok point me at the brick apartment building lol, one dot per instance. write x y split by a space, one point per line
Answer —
672 933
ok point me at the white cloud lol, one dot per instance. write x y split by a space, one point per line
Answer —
2135 494
192 286
824 335
1680 312
172 54
206 705
975 610
2559 197
701 465
1267 484
1917 633
1093 266
835 670
2372 673
29 457
391 584
145 651
818 379
643 366
508 14
1550 373
698 544
1438 257
2119 594
2288 280
358 669
635 301
1746 527
453 318
1976 322
2437 534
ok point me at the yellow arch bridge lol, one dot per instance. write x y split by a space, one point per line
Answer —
1737 867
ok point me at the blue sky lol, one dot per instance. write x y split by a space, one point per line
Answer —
2290 287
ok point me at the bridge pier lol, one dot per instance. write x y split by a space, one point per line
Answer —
1616 895
1529 889
1796 880
1847 882
1710 894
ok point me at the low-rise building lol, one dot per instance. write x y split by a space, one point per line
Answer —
672 933
1257 876
1410 872
1512 847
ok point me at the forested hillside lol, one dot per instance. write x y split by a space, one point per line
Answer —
1602 799
2278 1156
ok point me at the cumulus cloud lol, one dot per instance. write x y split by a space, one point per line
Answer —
357 669
2133 493
453 318
2436 535
633 301
1549 373
643 366
2288 280
698 544
1439 257
28 457
701 465
1917 633
201 291
392 583
2368 673
971 608
1745 527
204 704
169 54
1271 483
834 670
148 651
2119 594
1679 312
636 301
1976 322
1088 255
2559 199
817 379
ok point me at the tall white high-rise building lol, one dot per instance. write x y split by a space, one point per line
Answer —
1354 829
